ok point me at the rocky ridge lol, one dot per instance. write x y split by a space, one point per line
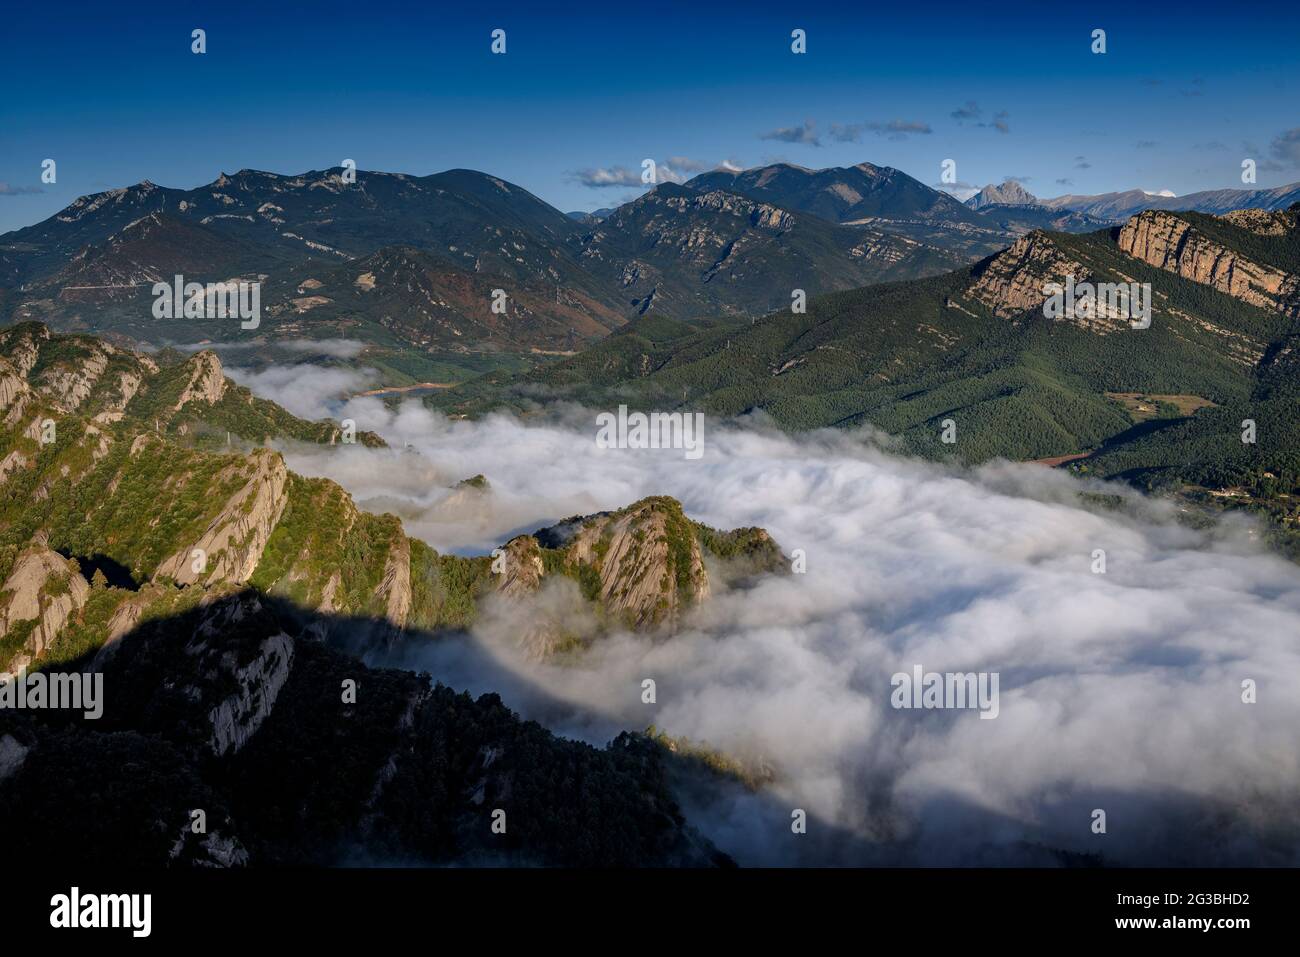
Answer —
168 499
1171 243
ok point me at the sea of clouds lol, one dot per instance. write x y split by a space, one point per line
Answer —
1120 691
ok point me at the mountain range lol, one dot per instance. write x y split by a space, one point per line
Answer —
1117 207
1120 206
921 307
414 262
417 259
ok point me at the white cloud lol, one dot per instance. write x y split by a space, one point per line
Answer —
1119 691
337 348
306 390
805 133
675 169
614 176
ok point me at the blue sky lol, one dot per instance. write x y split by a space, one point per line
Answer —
115 96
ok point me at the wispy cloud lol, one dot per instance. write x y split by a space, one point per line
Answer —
308 391
805 133
999 122
612 176
8 190
675 169
970 111
1285 148
960 189
894 130
684 164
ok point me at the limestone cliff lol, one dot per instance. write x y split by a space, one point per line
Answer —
641 567
649 562
1171 243
231 546
522 567
1012 281
395 587
40 595
206 381
238 716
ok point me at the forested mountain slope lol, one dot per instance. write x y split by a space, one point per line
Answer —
1158 405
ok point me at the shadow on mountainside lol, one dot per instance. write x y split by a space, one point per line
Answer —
239 709
300 754
297 753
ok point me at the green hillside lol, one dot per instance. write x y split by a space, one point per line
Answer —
907 356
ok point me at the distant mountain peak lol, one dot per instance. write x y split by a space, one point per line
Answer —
848 194
1010 193
593 217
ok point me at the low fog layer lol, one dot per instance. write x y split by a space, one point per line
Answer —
1120 691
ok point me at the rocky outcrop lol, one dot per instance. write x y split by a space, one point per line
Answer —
43 587
207 383
86 375
12 384
69 383
649 562
1263 222
238 716
641 567
12 462
18 409
22 345
127 615
36 428
328 594
12 755
1013 281
1170 243
216 709
395 586
97 440
233 542
761 215
115 407
522 567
